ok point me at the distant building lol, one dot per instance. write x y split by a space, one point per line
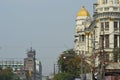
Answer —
15 64
32 66
12 63
29 67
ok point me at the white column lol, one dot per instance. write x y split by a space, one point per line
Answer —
118 40
111 36
87 42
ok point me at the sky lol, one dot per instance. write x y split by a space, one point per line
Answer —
48 26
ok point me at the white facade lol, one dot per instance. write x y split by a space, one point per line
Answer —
100 34
82 22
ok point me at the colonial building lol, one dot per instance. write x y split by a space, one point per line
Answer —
98 37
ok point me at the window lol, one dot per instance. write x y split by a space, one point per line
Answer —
119 26
115 25
115 41
80 38
106 8
116 1
106 57
106 25
83 37
102 26
106 1
106 41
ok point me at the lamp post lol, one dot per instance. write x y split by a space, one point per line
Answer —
119 45
54 70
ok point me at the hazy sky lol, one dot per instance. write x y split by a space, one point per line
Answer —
46 25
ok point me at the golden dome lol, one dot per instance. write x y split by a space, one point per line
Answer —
83 12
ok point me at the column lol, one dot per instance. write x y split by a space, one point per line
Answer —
87 41
111 35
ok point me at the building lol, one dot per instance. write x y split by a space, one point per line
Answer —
13 63
17 65
98 37
32 66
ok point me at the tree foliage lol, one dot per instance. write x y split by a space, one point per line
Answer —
63 76
70 63
6 74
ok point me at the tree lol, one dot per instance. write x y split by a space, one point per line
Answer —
6 74
70 62
65 58
63 76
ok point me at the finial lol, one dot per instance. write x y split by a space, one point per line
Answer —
83 6
30 48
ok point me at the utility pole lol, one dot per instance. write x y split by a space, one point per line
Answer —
34 58
102 58
119 44
81 67
93 59
54 70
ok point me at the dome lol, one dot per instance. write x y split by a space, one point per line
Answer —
83 12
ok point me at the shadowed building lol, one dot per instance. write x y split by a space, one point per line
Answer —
32 66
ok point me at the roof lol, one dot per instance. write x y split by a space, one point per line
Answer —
83 12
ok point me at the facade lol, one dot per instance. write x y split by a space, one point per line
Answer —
83 21
32 66
12 63
98 38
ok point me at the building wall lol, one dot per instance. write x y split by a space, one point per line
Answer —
12 63
103 34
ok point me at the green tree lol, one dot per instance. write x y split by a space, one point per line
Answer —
64 59
6 74
70 63
63 76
